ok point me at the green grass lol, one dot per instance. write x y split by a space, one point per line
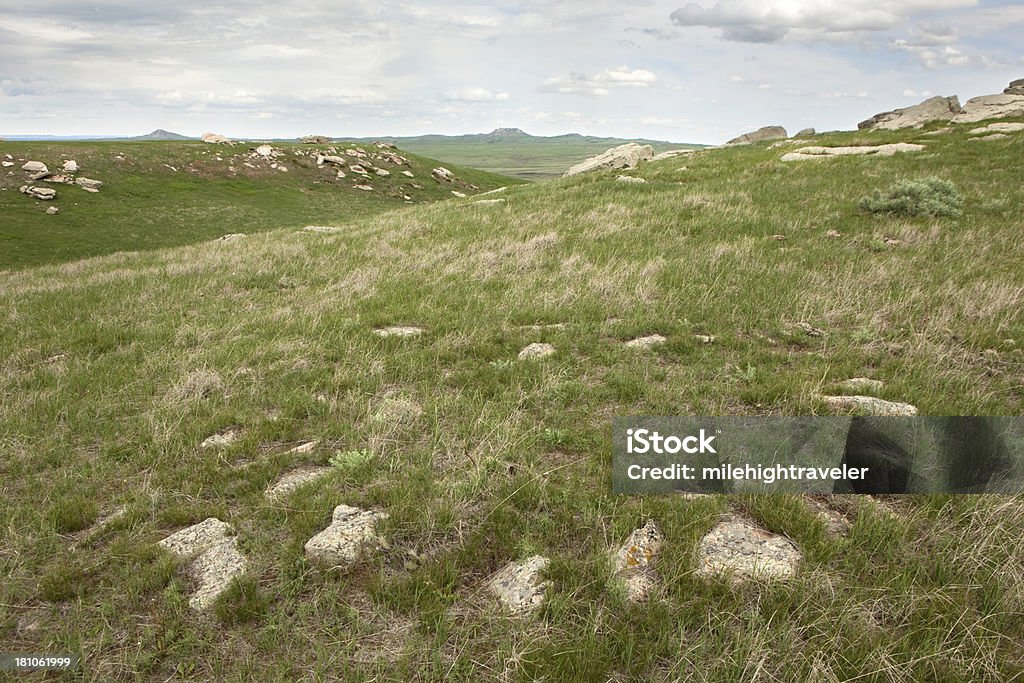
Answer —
114 369
166 194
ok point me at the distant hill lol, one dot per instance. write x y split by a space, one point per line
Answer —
513 152
161 134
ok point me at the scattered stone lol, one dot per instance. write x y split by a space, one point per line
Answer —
230 237
408 174
645 342
350 535
536 350
383 172
862 384
43 193
634 561
998 128
306 447
52 210
190 541
743 551
221 439
340 174
873 150
70 166
869 405
835 523
294 480
315 140
671 154
519 586
933 109
442 173
834 234
629 179
624 156
806 133
990 107
35 167
1015 88
88 183
322 229
705 338
215 139
810 330
760 135
398 331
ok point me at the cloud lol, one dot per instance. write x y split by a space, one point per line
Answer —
600 84
475 95
771 21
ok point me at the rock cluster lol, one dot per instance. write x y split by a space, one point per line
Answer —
43 193
624 156
215 139
315 140
760 135
932 109
1015 88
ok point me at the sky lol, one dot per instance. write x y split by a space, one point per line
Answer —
672 70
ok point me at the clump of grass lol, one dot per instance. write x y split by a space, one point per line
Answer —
72 514
241 603
931 196
351 459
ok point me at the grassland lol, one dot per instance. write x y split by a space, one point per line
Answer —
114 369
166 194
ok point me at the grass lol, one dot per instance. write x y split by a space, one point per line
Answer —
930 197
113 370
167 194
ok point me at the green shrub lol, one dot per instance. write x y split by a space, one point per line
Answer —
930 196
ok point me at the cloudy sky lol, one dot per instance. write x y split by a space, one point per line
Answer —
682 71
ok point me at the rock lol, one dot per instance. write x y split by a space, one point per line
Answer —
340 174
52 211
215 139
398 331
349 536
634 561
990 107
741 550
314 140
306 447
630 179
869 405
994 136
294 480
518 586
671 153
88 183
494 191
43 193
363 187
322 159
408 174
6 164
70 166
442 173
874 150
645 342
1015 88
221 439
458 194
65 179
35 167
760 135
489 202
833 234
624 156
190 541
213 571
806 133
705 338
998 128
933 109
383 172
321 229
863 384
265 151
230 237
536 350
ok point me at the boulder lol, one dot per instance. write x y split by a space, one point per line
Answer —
536 350
35 167
990 107
806 133
52 211
1015 88
265 150
215 139
88 183
873 150
7 164
43 193
738 549
628 155
70 166
314 140
351 533
933 109
760 135
672 153
519 585
442 173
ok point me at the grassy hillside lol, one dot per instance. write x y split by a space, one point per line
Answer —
520 155
114 369
165 194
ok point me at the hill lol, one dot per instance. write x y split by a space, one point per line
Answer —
382 365
512 152
167 193
161 134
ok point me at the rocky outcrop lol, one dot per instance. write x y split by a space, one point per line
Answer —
1015 88
215 139
990 107
628 155
442 173
998 128
760 135
933 109
806 133
315 140
873 150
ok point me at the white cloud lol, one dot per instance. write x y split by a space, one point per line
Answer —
600 84
476 95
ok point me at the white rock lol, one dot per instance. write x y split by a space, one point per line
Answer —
306 447
43 193
760 135
294 480
519 586
536 350
265 150
213 571
215 139
408 174
322 229
367 188
645 342
933 109
869 405
221 440
458 194
352 533
739 549
628 155
53 210
873 150
70 166
630 179
671 153
35 167
383 172
6 164
398 331
88 183
191 541
998 128
990 107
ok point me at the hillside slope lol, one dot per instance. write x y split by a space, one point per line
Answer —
161 194
114 371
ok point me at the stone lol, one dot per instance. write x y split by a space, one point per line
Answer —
630 179
873 150
1015 88
833 234
190 541
519 586
35 167
294 480
705 338
321 229
52 211
806 133
351 534
383 172
363 187
494 191
70 166
861 384
489 202
869 405
215 139
624 156
998 128
933 109
306 447
322 159
398 331
88 183
442 173
314 140
460 195
213 571
760 135
633 562
230 237
6 164
221 439
990 107
536 350
43 193
645 342
408 174
265 151
993 136
671 154
740 550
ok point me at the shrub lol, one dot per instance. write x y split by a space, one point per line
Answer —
926 197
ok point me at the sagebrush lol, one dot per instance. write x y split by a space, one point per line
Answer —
929 197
